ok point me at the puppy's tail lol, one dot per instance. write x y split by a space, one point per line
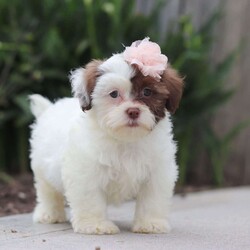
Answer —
38 104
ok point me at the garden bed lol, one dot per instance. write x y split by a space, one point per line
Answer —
17 196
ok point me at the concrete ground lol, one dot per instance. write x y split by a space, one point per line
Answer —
206 220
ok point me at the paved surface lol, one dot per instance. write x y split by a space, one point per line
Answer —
206 220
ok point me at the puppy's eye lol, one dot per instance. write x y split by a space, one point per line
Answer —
147 92
114 94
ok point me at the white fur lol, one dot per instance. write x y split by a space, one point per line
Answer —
38 104
78 87
116 64
95 158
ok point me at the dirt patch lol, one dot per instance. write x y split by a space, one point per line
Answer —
17 196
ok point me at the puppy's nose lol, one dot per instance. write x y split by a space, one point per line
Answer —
133 113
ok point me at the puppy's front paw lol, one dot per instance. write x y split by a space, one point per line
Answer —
46 215
95 227
155 226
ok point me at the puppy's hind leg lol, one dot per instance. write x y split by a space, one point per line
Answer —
50 203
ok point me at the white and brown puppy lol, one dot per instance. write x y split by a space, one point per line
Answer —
120 148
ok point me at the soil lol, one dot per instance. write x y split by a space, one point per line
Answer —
17 196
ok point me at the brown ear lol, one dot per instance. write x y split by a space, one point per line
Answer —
83 82
174 85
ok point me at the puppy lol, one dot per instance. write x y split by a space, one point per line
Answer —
121 147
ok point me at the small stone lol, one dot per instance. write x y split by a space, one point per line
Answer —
22 196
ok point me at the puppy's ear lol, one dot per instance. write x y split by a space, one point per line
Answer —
174 85
83 81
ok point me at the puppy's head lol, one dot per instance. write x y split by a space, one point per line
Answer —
124 102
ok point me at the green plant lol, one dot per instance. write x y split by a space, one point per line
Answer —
32 59
40 43
189 51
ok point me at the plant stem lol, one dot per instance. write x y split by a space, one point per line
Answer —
23 149
2 152
184 155
91 31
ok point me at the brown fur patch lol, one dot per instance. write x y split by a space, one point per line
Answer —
91 75
174 84
165 93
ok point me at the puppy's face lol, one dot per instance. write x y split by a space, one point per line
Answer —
124 103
